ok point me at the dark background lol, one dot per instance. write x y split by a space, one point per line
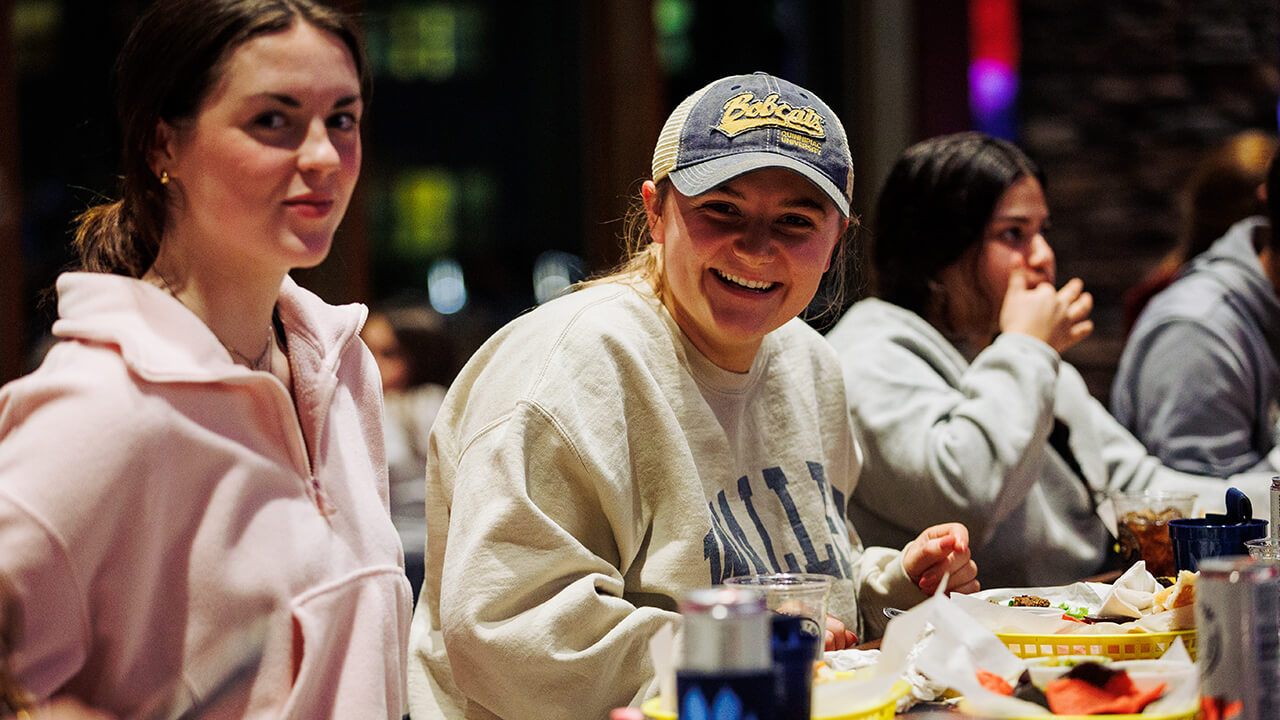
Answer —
501 130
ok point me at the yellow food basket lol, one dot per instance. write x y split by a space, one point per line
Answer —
1188 714
884 710
1129 646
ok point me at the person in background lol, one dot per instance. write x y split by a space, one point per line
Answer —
193 497
661 429
1222 190
1199 380
955 380
416 361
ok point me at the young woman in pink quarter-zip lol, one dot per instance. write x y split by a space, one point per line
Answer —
193 494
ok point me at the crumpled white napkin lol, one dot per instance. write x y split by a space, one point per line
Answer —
851 659
1132 593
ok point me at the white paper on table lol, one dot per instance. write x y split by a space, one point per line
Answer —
1180 618
1076 595
851 659
1179 697
662 652
1002 618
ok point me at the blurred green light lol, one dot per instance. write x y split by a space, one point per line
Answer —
425 204
423 42
672 17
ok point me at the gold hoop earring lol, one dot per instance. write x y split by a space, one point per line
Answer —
164 177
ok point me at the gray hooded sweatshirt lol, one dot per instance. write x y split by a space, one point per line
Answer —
1198 381
966 437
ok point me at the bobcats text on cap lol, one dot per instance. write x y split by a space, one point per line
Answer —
744 112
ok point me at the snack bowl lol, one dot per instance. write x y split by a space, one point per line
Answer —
1049 667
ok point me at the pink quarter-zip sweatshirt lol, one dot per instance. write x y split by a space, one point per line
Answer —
182 534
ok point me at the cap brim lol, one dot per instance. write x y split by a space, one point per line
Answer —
704 176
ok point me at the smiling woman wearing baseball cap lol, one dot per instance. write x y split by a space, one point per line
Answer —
665 427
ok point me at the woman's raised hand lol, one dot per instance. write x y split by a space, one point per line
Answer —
941 550
1058 317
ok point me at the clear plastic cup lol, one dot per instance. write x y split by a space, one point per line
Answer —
1142 522
802 594
1264 548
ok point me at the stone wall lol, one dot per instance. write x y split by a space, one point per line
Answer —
1118 101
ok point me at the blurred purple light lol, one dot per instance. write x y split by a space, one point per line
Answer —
992 87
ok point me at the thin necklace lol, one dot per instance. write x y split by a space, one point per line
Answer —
253 364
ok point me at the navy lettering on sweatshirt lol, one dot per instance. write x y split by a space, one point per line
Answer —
742 542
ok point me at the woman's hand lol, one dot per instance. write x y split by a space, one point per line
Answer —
838 636
1059 318
941 549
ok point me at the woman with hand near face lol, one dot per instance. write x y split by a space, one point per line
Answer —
955 381
661 429
193 498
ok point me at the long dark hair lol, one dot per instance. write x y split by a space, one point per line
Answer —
933 208
173 56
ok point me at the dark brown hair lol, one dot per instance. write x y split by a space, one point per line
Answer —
174 55
1223 189
934 206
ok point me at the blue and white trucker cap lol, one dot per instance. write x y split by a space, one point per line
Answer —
744 123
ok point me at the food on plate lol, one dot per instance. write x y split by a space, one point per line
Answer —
993 682
1066 661
1029 691
1094 689
822 672
1070 613
1180 594
1026 689
1089 688
1028 601
1051 667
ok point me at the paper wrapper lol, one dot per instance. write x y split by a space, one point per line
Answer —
879 669
662 651
948 646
